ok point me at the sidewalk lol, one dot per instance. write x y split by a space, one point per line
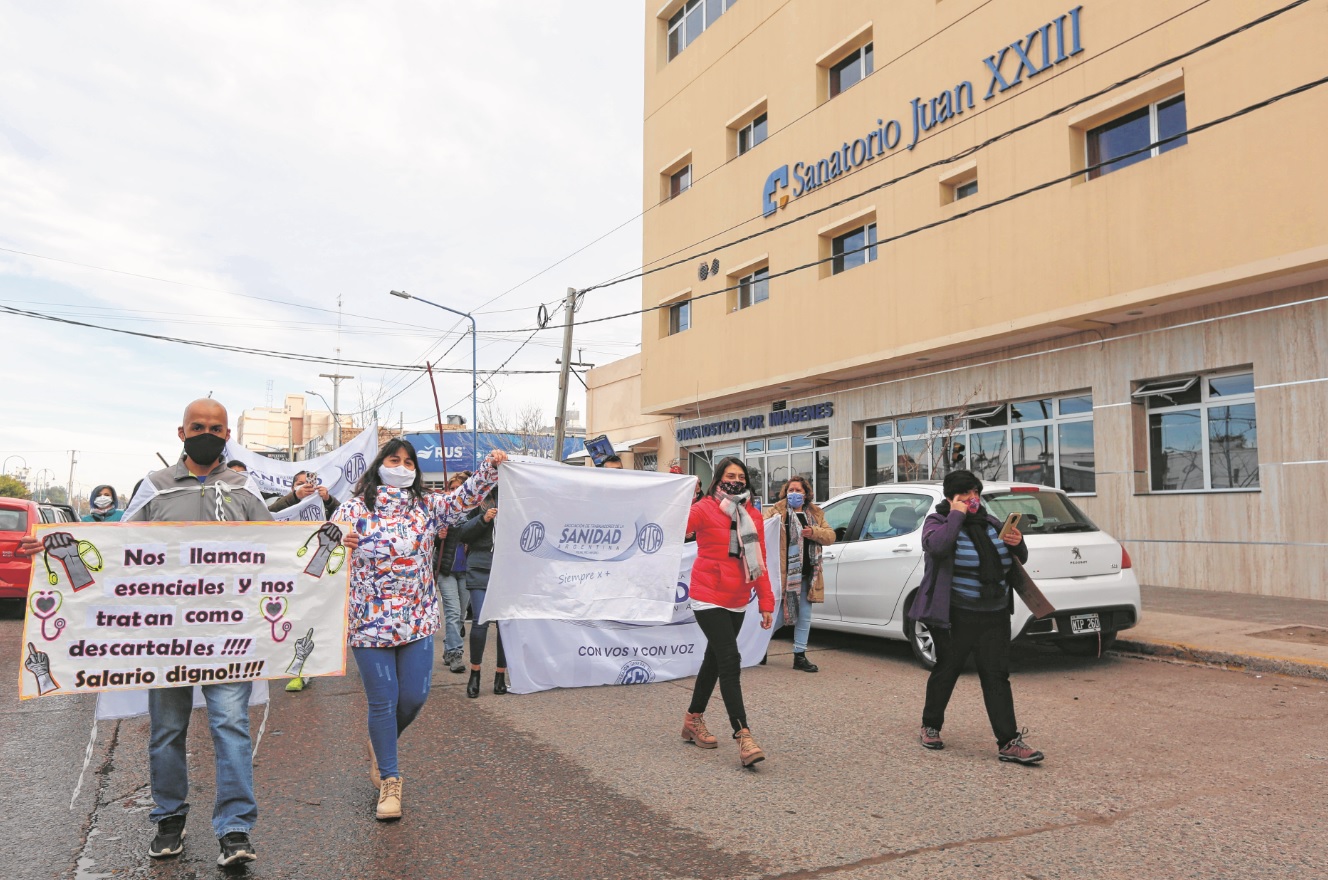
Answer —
1238 631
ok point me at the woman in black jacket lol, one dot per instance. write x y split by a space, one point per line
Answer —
477 534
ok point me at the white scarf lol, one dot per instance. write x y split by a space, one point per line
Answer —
745 543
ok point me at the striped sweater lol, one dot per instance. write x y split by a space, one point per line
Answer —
965 589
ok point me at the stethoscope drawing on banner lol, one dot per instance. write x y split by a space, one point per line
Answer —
80 559
329 556
45 604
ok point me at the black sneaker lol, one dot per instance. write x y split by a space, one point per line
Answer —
236 848
170 838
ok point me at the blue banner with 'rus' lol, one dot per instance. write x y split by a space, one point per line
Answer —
460 449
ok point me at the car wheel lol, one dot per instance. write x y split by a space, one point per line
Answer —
1086 646
920 640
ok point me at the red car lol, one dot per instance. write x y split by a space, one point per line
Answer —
17 517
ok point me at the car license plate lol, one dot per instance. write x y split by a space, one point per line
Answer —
1085 623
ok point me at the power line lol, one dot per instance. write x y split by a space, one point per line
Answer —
283 355
993 204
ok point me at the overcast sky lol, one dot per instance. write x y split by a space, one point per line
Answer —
220 156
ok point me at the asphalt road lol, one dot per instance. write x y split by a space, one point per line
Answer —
1153 770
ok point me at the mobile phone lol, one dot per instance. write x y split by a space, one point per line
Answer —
1011 522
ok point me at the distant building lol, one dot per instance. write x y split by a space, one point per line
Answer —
285 432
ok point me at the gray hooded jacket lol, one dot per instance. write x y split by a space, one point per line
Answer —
222 496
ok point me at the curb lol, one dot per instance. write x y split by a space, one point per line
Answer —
1223 659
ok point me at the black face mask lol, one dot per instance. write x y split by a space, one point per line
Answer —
204 449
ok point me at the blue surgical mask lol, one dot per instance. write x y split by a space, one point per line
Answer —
795 499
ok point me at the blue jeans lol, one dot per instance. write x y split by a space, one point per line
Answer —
228 718
803 627
396 684
455 598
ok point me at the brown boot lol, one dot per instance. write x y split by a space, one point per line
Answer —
389 799
749 752
373 767
694 731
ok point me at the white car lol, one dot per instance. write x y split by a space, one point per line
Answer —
875 566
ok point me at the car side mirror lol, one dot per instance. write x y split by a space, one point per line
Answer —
1031 519
841 532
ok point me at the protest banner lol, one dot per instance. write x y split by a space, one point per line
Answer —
134 606
575 543
339 470
544 654
309 509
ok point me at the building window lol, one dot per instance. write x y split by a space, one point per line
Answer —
804 455
854 248
680 317
680 181
1202 433
751 134
855 67
964 190
1048 441
1137 131
691 20
754 288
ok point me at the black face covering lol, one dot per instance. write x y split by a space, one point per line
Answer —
204 449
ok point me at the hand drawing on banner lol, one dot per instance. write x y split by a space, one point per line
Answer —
273 610
45 604
329 548
72 555
39 664
303 648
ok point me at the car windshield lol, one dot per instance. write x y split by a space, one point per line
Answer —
13 520
1045 512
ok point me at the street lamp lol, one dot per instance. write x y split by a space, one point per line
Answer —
474 374
336 420
4 469
43 485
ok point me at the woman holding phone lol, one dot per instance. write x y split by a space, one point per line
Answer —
393 602
965 599
803 535
730 560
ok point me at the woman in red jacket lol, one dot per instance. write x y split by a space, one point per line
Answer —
730 559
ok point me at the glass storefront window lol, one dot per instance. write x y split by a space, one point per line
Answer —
1233 447
1033 459
1176 444
1076 457
987 455
1073 406
997 441
1030 411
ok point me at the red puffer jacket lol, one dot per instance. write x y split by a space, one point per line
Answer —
717 577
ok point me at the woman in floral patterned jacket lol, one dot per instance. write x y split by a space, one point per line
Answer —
393 602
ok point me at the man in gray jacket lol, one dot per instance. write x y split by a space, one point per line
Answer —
200 488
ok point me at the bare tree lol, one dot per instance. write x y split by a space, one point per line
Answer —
520 429
371 401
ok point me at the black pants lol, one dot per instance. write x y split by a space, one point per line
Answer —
721 661
479 632
985 635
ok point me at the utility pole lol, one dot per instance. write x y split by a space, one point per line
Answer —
336 397
560 420
73 460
